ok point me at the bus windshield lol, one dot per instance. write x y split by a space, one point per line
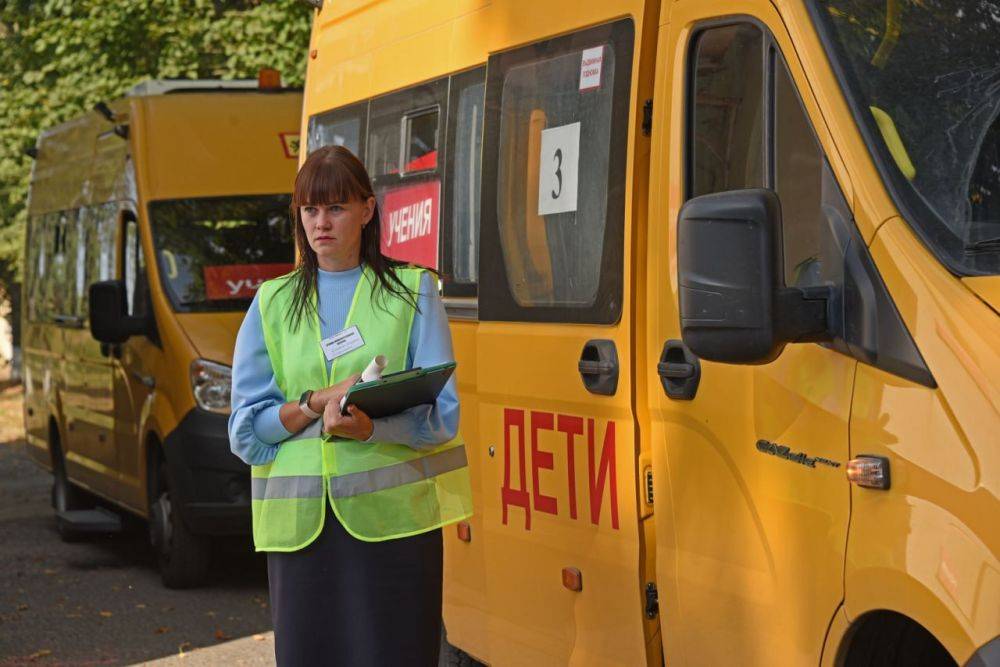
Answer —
923 77
213 253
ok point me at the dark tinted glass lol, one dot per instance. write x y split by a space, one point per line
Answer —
726 139
214 253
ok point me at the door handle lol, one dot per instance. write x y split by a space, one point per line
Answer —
147 380
679 371
598 366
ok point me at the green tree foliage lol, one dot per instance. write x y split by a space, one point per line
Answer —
60 57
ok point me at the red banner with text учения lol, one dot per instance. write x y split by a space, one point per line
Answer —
239 281
410 217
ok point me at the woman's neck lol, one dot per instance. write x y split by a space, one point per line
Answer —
336 264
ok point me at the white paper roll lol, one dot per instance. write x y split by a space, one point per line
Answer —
373 371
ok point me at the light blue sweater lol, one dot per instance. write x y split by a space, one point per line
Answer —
256 431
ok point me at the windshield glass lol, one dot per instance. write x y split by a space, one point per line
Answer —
214 253
923 77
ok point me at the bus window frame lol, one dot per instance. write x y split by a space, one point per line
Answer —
459 81
496 300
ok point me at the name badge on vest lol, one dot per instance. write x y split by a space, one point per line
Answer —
341 343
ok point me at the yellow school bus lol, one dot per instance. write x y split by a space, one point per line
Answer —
723 282
152 220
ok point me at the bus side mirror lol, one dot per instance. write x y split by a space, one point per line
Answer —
109 318
734 306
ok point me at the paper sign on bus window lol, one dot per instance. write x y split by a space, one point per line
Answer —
558 168
590 68
239 281
410 223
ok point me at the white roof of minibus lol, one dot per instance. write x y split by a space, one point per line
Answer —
161 86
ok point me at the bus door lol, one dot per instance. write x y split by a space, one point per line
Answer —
751 459
556 437
133 378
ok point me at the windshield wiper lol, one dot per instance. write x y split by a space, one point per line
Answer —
983 246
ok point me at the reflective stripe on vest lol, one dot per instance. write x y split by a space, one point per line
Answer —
398 474
358 483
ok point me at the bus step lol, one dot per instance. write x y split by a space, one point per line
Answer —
98 520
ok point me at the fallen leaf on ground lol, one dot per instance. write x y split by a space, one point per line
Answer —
140 606
163 629
259 638
221 636
50 571
39 654
22 607
185 646
106 614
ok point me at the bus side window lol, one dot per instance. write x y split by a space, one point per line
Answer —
460 230
726 142
807 190
36 266
81 245
341 127
727 148
553 193
56 286
403 157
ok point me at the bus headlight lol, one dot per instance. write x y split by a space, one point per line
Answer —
211 384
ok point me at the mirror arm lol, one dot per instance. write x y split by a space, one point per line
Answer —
801 314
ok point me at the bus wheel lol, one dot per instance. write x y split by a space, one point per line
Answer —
452 656
183 557
65 496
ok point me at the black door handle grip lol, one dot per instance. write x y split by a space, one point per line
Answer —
598 367
675 370
595 367
679 371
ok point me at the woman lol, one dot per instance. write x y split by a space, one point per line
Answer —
348 508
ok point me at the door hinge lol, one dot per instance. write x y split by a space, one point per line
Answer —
648 478
647 117
652 600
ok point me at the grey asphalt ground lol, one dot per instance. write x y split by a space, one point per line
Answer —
100 601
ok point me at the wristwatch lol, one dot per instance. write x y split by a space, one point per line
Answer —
304 405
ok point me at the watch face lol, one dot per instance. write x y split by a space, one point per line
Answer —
304 399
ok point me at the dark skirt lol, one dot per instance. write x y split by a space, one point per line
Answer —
341 601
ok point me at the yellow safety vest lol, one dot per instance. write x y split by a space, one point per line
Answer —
378 491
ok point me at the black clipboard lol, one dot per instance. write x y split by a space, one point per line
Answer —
399 391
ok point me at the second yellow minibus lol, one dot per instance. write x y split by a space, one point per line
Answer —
152 221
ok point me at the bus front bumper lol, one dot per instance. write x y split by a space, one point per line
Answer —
212 485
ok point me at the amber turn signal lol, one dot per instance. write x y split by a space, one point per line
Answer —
871 472
464 531
572 579
268 79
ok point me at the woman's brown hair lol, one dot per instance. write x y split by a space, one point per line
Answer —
334 174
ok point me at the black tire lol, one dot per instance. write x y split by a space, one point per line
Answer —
888 639
183 556
452 656
65 495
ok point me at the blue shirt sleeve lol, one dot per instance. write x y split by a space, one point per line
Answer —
425 426
254 425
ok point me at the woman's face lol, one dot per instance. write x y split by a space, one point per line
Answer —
334 231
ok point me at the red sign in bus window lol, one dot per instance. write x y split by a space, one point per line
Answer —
239 281
410 223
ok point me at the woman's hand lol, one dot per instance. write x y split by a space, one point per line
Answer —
321 397
356 425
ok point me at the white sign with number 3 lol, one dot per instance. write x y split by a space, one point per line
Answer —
558 168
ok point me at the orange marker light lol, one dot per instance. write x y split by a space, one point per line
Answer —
464 531
268 78
871 472
572 579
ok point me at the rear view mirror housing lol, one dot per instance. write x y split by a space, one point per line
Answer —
109 318
734 305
